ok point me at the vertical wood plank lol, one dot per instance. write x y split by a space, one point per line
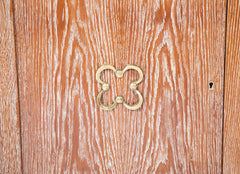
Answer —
180 47
10 148
231 150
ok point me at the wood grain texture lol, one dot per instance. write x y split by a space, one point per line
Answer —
231 150
180 47
10 149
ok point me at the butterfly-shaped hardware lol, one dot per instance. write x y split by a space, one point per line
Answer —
119 99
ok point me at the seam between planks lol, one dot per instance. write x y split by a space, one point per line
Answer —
224 79
18 90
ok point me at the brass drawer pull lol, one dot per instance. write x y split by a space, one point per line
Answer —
119 99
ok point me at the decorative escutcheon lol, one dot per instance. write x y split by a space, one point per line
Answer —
119 99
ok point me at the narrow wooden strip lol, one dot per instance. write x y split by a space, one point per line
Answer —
231 150
10 148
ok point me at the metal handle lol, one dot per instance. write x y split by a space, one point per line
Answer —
119 99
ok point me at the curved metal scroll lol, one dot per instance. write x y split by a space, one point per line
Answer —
119 99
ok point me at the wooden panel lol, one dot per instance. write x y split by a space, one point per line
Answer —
180 47
10 149
231 150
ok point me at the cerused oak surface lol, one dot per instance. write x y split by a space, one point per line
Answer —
10 149
180 47
231 150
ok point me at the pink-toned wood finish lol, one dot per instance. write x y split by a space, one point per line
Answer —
180 47
10 149
231 150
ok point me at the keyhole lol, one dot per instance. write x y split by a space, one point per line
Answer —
211 85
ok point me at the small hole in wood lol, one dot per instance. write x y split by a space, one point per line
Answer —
211 84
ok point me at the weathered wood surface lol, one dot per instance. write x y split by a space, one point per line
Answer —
231 150
180 47
10 149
